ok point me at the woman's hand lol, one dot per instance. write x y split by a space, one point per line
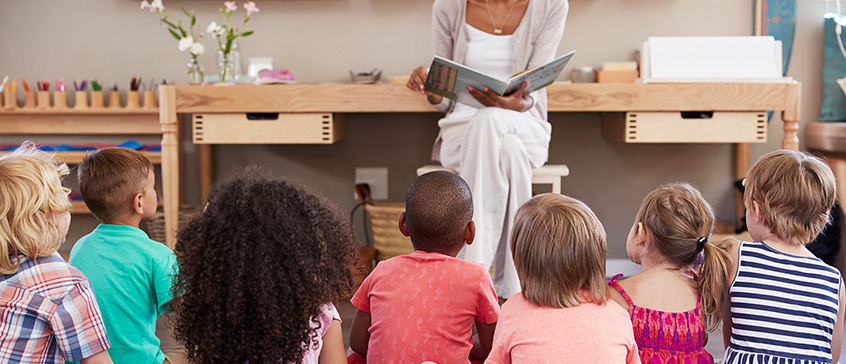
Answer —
517 100
416 81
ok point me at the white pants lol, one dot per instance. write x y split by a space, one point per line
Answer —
495 151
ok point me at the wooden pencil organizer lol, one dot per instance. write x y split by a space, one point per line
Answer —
9 100
149 99
29 100
80 100
133 100
114 99
43 99
60 100
97 100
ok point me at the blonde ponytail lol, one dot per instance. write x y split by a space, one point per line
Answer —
713 275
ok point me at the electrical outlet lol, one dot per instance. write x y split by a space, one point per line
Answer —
376 178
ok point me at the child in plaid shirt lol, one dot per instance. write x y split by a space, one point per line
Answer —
47 307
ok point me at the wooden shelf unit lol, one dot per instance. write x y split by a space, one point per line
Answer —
396 98
70 121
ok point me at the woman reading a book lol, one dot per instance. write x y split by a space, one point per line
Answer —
494 141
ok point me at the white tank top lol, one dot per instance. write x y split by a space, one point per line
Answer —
490 54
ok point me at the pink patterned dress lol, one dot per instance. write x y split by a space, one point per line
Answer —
667 337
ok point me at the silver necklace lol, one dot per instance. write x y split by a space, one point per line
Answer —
496 29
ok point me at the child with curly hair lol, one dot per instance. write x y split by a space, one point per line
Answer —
785 305
47 306
561 315
422 306
260 268
672 308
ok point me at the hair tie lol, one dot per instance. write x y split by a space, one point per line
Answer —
700 243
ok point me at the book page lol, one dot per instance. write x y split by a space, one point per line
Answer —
541 76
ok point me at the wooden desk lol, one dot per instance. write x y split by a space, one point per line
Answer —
390 98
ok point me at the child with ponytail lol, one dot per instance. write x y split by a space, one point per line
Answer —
672 304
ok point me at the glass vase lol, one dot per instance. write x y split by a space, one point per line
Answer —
226 66
195 72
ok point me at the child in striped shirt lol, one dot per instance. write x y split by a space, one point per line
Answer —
47 307
786 305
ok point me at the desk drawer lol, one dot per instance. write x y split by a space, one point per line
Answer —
675 127
267 128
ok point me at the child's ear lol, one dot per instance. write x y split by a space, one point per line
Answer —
640 234
401 223
470 232
138 204
756 212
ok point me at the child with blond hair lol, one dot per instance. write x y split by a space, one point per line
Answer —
49 313
672 307
131 274
785 305
423 306
561 315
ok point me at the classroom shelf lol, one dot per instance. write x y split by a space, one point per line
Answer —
76 157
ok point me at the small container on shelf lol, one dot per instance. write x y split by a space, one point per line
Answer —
133 100
29 100
43 99
149 100
97 100
9 100
60 100
80 100
114 99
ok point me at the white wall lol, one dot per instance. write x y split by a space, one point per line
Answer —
320 40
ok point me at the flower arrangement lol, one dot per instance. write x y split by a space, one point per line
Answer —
225 34
187 40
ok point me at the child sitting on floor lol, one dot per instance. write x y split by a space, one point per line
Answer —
260 268
131 274
671 306
48 308
422 306
561 315
786 306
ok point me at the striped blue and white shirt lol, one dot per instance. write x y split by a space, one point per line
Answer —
783 307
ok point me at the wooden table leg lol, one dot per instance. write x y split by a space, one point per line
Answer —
791 116
170 161
206 169
742 161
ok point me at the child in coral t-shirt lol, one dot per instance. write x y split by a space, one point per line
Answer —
561 315
422 306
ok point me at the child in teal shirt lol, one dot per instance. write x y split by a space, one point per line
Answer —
131 274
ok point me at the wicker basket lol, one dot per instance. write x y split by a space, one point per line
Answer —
155 227
387 239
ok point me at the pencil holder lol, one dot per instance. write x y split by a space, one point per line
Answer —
133 100
149 99
114 99
80 100
29 100
60 100
9 100
43 98
97 100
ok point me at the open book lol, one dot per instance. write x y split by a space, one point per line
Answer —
450 79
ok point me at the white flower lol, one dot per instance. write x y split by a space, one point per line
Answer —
197 49
185 43
157 6
212 28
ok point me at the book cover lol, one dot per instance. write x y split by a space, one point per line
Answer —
450 79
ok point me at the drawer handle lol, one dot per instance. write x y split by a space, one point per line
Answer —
697 114
262 116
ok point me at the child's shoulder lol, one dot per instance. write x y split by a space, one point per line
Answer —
49 276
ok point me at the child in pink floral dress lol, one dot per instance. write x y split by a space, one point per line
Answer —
671 306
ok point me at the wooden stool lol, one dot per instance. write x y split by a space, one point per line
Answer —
549 174
828 139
